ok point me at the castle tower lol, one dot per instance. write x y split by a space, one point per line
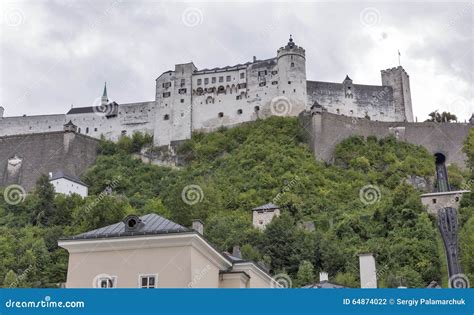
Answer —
291 61
399 80
174 105
104 99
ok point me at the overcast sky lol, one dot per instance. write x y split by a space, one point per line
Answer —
55 54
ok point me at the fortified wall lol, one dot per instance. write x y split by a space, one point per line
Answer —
24 158
327 130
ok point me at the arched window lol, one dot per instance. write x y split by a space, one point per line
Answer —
220 89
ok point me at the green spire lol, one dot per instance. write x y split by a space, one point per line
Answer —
105 90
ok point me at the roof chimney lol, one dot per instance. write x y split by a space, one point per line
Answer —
236 252
198 226
368 272
323 276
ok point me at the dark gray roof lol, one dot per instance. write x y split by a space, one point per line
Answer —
324 285
152 224
109 110
61 174
268 206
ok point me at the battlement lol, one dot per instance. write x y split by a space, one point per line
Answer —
394 70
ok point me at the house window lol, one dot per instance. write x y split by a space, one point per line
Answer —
274 72
166 85
182 100
263 83
274 82
292 64
166 117
206 81
242 75
239 112
166 94
220 115
213 80
183 82
262 73
289 82
242 85
182 91
221 79
199 81
106 282
148 282
228 78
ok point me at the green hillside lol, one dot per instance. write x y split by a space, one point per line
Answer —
361 203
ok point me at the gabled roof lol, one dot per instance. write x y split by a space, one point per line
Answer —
324 285
268 206
152 224
61 174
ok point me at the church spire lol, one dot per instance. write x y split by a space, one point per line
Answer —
104 100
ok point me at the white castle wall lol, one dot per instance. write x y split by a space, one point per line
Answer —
188 99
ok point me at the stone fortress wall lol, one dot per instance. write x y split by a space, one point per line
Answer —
326 130
188 99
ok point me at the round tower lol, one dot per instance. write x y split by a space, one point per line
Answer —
292 76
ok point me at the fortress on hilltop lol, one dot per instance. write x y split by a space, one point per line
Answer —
189 99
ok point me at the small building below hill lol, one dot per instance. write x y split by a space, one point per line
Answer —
263 215
67 184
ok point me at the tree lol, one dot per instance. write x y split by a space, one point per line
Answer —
10 279
305 273
443 117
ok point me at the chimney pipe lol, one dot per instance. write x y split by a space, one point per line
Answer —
236 252
198 226
368 271
323 276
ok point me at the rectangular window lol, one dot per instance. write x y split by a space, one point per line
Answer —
166 94
199 81
274 82
182 91
206 81
183 82
228 78
262 73
148 282
107 282
242 85
274 72
263 83
242 75
221 79
166 85
213 80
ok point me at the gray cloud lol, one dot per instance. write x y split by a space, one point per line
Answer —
61 52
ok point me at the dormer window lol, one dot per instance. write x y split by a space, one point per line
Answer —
132 223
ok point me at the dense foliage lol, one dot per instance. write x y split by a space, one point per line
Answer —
361 203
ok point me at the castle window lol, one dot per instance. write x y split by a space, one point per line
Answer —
95 129
199 81
221 79
256 108
294 90
289 82
213 80
242 75
220 89
220 115
228 78
456 199
434 201
239 112
78 130
124 132
199 91
206 81
166 117
292 64
87 130
166 94
274 72
274 82
283 91
238 97
182 100
337 110
166 85
183 82
262 73
263 83
182 91
242 85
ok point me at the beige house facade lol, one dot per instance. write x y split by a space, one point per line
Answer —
153 252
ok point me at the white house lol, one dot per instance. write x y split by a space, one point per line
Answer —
68 185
